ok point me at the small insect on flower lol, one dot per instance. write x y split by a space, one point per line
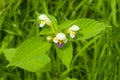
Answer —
60 39
44 20
73 30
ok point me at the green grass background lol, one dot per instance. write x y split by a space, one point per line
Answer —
102 60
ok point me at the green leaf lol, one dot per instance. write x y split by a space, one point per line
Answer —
54 21
45 31
31 55
5 42
89 28
66 25
9 53
65 54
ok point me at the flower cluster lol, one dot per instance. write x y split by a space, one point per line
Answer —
60 38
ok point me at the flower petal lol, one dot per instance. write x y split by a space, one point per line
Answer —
66 40
74 28
42 17
42 23
55 40
48 21
61 36
72 34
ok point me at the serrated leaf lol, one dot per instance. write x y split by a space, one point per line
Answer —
65 54
89 28
31 55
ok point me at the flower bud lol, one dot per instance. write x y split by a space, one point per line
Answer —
49 38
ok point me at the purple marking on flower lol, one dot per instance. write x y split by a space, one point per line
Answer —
60 44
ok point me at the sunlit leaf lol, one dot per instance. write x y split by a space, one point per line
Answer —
89 28
65 54
66 25
31 55
46 31
5 42
9 53
54 21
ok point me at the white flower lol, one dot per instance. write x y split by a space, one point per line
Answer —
55 40
73 30
60 38
44 20
72 34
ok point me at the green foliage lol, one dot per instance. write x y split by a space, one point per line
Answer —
65 25
9 53
5 43
31 55
45 31
94 53
54 21
89 28
65 54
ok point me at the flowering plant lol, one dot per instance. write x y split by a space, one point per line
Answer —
55 44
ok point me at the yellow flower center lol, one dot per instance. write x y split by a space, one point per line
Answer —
42 22
73 33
